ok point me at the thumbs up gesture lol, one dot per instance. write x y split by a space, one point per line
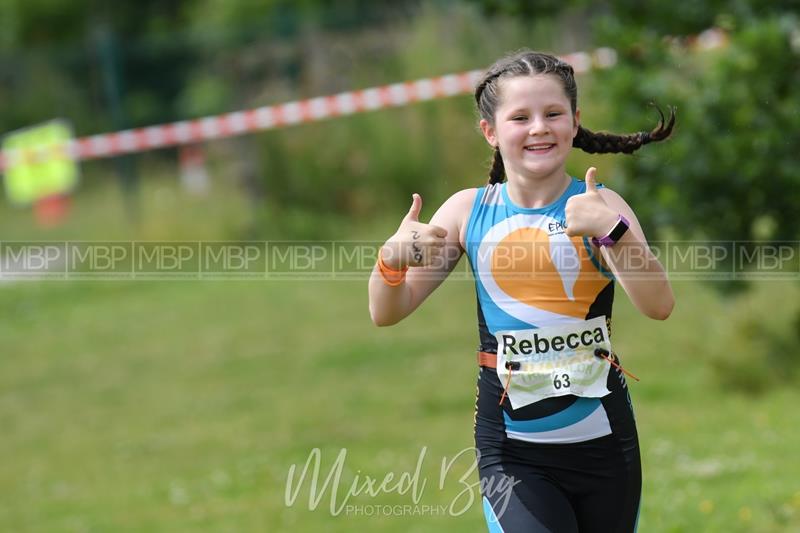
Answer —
414 243
587 213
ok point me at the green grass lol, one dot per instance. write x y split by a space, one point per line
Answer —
156 406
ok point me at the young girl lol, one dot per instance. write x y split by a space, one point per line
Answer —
554 429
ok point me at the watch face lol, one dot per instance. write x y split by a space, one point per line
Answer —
614 235
619 230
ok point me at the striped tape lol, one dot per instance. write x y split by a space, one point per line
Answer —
277 116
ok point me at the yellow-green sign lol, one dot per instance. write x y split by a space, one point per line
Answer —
38 164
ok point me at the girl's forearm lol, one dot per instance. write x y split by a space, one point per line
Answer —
641 275
387 305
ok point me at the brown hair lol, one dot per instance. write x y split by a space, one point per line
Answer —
528 63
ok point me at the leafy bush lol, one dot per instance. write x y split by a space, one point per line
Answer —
729 172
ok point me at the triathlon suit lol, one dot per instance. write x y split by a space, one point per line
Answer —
566 463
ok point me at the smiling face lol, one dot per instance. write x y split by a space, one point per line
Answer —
533 127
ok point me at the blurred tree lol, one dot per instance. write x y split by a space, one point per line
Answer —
161 50
73 41
729 171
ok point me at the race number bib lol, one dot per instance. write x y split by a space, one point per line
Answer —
554 361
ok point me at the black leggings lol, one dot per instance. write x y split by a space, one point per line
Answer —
593 486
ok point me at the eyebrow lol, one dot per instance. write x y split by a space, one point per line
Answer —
554 105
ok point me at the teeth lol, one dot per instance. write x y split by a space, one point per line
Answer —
534 148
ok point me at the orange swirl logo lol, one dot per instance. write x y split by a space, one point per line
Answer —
536 277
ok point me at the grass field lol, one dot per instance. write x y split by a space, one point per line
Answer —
180 406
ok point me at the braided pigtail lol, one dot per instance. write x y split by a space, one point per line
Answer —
498 172
606 143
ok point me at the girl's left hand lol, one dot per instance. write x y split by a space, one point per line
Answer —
587 213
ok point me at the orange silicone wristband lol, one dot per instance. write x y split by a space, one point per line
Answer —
390 276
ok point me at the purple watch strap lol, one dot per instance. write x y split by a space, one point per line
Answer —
614 235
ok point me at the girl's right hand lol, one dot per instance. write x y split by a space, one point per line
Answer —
414 243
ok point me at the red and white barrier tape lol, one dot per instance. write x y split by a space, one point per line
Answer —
268 117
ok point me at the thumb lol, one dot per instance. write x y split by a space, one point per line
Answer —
416 207
591 182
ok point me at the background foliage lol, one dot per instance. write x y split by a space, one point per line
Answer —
109 66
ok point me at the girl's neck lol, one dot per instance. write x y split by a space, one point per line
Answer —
529 193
